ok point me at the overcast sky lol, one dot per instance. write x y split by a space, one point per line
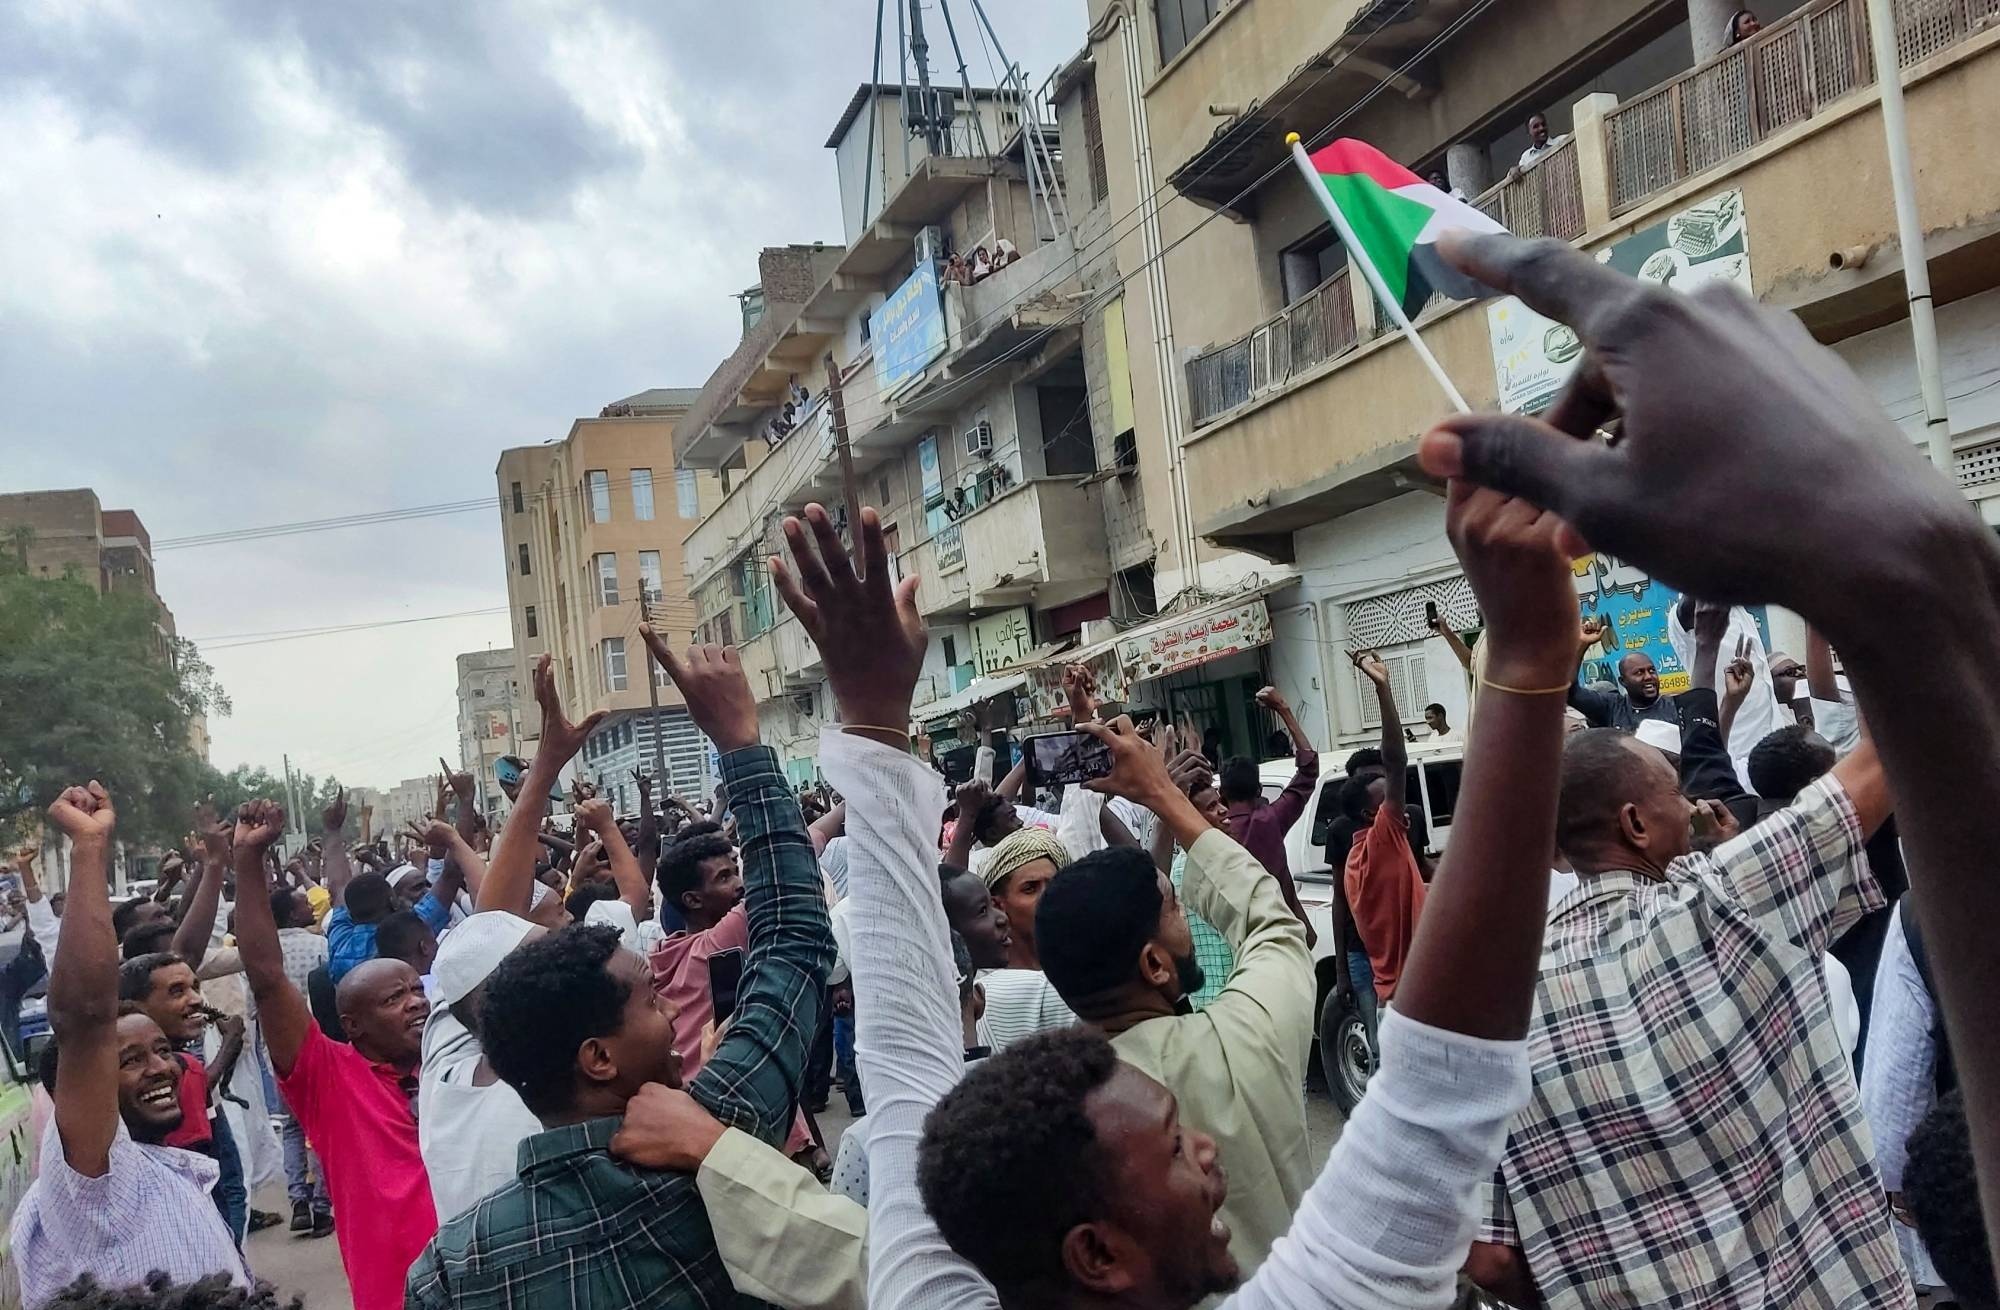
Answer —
283 259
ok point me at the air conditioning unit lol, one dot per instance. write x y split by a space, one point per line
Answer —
979 440
930 245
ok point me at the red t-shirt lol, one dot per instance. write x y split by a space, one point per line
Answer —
195 1132
1385 892
360 1120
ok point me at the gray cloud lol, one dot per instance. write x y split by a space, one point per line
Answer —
263 262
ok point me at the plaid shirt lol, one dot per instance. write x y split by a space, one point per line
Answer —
1695 1137
579 1228
1211 948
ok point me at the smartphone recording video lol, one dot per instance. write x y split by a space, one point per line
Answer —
1065 757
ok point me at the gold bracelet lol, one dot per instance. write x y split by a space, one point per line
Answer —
860 729
1525 691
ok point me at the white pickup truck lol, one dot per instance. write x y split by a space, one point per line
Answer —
1344 1052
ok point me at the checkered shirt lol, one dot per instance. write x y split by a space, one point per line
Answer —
1211 948
1695 1137
580 1228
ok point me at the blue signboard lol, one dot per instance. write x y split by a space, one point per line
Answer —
908 329
1634 608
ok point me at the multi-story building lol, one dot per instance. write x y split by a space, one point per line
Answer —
488 722
1278 419
69 534
592 527
409 801
986 402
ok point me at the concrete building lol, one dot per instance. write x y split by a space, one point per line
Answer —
488 722
991 418
1277 419
409 801
593 544
68 533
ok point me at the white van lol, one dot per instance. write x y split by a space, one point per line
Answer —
1345 1054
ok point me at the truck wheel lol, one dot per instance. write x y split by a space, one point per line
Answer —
1345 1056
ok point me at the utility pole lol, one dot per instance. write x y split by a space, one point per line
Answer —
1910 235
653 694
837 415
297 823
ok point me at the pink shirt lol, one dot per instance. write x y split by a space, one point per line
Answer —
680 975
362 1122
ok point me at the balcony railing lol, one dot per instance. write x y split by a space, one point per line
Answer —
1785 73
1306 333
1543 201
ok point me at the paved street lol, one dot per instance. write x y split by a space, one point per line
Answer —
311 1268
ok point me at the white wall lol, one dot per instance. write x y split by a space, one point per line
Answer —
1382 550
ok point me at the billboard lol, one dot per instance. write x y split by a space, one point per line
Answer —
1633 607
1002 640
908 330
1706 242
949 546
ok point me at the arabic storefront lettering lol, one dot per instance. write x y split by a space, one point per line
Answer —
1000 640
1634 607
1706 242
1195 640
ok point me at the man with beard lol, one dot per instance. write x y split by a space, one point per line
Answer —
111 1201
1114 939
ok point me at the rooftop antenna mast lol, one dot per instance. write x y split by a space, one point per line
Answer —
965 81
868 157
1032 145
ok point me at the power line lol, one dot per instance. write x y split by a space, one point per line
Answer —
236 641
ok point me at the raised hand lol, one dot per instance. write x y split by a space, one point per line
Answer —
1741 674
1080 686
971 797
434 833
594 814
211 829
84 814
24 857
458 780
1372 667
334 817
1722 401
561 738
1274 700
1190 770
867 629
1713 824
259 823
711 681
1588 634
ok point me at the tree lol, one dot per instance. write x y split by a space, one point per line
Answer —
91 688
246 782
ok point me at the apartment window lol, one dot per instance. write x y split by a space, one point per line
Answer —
642 495
1180 22
599 483
649 575
607 578
518 506
1309 263
523 548
528 621
687 499
1093 143
614 664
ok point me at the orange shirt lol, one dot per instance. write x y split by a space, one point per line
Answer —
1385 893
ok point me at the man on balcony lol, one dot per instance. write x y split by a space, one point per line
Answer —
1540 143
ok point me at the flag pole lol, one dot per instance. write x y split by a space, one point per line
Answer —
1373 274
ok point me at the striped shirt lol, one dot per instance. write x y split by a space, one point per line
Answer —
1695 1137
149 1211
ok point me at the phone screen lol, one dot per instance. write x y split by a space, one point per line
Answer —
1066 757
1431 612
725 974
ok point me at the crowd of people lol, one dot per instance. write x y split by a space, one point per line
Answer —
527 1069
